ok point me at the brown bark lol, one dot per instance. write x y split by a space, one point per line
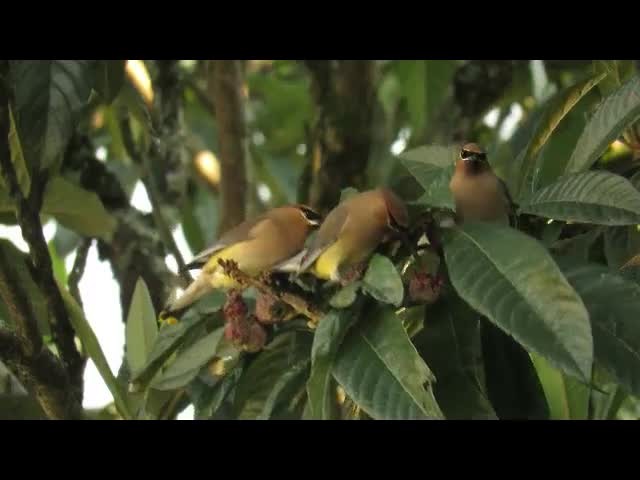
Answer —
344 95
225 86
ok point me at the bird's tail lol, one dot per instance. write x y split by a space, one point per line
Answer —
198 288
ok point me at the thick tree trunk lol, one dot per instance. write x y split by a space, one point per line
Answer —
340 144
225 85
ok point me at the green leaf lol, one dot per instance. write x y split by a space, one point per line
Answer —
618 72
380 369
621 244
77 209
169 339
327 339
17 157
578 246
432 166
188 362
614 307
108 78
596 197
555 111
425 84
616 111
141 328
270 373
554 155
57 262
510 278
49 96
382 281
345 297
605 406
450 344
567 398
513 385
286 393
208 399
91 345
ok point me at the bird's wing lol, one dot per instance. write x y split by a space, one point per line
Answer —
331 228
247 230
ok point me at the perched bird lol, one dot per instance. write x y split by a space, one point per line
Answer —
256 245
478 193
352 231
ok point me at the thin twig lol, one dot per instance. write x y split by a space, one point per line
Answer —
143 161
78 269
298 304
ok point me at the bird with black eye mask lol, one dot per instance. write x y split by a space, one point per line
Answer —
479 195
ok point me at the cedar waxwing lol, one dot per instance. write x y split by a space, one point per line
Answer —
478 193
256 245
352 231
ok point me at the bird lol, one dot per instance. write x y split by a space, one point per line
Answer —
257 245
352 231
479 194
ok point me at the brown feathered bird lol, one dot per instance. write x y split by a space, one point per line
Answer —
479 195
257 245
352 231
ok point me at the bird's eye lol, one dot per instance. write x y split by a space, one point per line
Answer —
465 154
311 216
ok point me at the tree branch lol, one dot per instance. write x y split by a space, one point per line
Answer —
43 375
78 269
298 304
225 86
28 216
143 161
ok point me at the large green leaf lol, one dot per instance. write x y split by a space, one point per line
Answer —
380 369
432 166
450 344
188 362
425 84
382 281
614 306
270 373
605 405
169 339
208 399
77 209
141 328
512 383
92 346
17 157
108 78
49 95
510 278
326 341
567 398
554 112
554 155
621 244
618 72
616 112
345 297
590 197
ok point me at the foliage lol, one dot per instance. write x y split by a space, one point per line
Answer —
539 319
